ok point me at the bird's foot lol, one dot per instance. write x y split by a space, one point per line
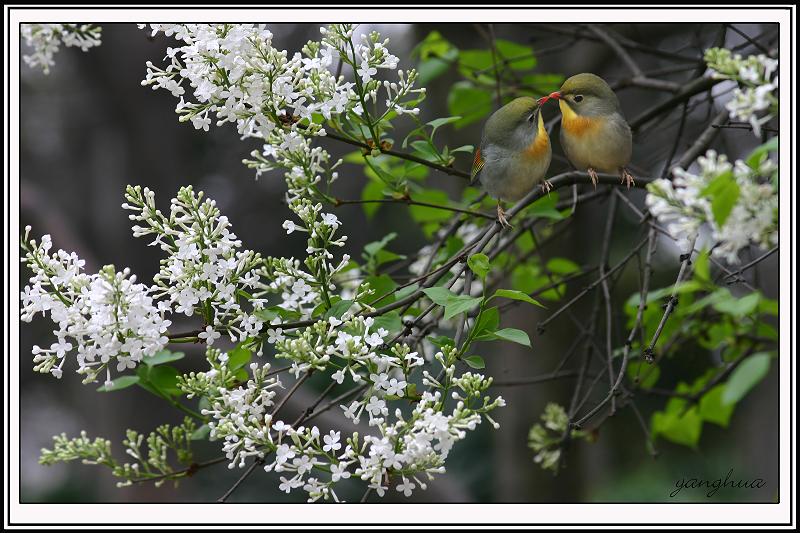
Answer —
501 217
546 186
593 176
626 177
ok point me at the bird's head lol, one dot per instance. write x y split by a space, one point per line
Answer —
585 95
516 123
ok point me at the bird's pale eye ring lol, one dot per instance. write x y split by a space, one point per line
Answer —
533 116
577 97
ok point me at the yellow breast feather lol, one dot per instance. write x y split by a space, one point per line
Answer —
538 147
576 125
542 142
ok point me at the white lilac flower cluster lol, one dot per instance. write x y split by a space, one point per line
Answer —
302 290
757 77
405 452
206 271
45 39
235 74
684 205
107 319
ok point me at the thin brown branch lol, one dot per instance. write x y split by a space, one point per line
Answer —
686 260
690 89
409 201
734 277
401 155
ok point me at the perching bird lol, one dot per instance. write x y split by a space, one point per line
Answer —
514 153
594 134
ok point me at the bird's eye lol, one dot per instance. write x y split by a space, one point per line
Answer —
577 98
533 116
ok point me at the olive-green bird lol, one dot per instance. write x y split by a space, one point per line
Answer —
594 134
514 153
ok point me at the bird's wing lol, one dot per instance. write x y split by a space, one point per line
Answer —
477 165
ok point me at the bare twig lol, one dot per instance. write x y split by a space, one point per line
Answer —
409 201
618 49
686 260
734 277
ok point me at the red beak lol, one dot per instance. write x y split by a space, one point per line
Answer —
552 96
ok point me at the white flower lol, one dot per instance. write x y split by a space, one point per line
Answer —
275 335
683 208
45 39
331 442
396 387
366 72
209 335
289 226
329 219
108 318
339 471
406 487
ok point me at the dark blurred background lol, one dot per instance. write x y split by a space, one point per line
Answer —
89 128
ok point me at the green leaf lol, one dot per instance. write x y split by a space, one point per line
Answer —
516 295
713 410
738 307
391 322
756 156
201 433
645 373
436 54
724 192
382 285
513 335
459 304
439 295
475 361
424 150
422 214
562 266
768 306
518 57
122 382
487 322
679 428
469 102
238 357
716 334
373 190
441 341
406 291
541 84
476 65
339 308
434 44
467 148
745 377
165 378
439 122
545 207
702 269
523 277
479 264
164 356
430 69
654 296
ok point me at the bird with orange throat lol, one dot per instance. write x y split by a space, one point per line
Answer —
594 134
514 153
